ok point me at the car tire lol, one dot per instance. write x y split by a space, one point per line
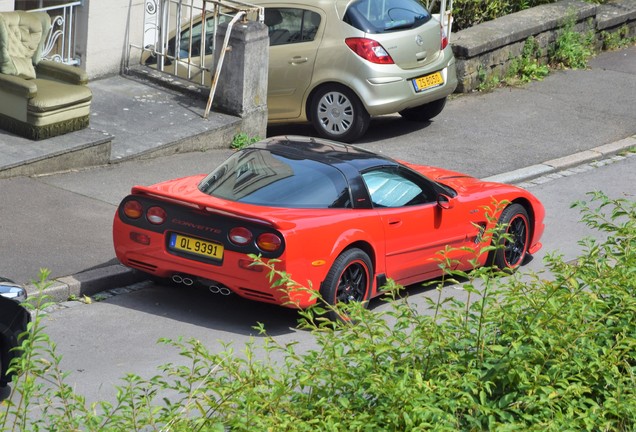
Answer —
4 380
424 112
337 114
512 248
349 279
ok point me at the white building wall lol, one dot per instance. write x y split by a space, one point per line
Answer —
7 5
103 29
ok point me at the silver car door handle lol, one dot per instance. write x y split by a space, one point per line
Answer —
298 60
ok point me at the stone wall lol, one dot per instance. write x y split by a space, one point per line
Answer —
485 51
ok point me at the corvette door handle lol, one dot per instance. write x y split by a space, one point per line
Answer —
394 222
298 60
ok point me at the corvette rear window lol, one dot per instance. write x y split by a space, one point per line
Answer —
382 16
259 177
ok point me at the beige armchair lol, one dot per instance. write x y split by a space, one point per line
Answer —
38 98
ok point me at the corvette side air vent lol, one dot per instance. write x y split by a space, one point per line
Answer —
258 295
142 265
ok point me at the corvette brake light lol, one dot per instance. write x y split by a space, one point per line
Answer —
268 242
240 236
369 50
140 238
133 209
248 264
156 215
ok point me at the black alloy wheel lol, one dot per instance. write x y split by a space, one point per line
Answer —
349 280
512 245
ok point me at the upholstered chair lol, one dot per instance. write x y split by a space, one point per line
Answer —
38 98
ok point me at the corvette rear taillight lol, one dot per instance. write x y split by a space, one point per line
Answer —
156 215
443 36
268 242
369 50
240 236
133 209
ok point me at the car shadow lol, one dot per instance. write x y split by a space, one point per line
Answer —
381 128
196 305
416 289
390 127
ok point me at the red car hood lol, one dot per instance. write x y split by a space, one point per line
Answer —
447 177
465 184
436 173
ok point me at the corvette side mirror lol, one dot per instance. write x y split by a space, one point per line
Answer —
445 202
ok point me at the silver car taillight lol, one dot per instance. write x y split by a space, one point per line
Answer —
369 50
443 36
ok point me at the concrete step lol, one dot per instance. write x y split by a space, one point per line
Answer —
81 149
131 118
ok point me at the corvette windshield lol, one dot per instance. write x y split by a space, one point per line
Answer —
256 176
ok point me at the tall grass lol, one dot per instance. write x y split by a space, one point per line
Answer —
524 352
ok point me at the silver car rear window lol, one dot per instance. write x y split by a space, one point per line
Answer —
383 16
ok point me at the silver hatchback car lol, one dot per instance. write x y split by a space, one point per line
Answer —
337 63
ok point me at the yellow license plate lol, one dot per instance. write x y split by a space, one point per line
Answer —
428 81
196 246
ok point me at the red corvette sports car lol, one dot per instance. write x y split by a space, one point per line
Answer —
339 218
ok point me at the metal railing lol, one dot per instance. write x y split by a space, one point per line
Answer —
179 36
60 44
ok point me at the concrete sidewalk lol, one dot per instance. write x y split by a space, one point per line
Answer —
63 221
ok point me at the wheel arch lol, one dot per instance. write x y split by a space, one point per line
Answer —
525 203
368 249
318 86
365 247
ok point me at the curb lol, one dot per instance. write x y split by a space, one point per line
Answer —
93 281
86 283
559 164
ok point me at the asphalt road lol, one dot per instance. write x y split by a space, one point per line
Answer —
63 221
102 341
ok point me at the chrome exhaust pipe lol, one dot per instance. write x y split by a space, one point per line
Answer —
184 280
217 289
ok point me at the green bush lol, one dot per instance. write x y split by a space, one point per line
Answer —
242 139
467 13
526 352
527 67
618 39
571 48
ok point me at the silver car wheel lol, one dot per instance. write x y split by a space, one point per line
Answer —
335 113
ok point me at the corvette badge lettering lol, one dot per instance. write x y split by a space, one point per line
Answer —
196 226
